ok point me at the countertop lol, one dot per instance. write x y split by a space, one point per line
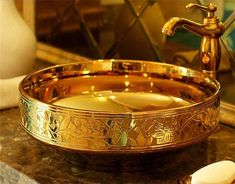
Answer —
46 165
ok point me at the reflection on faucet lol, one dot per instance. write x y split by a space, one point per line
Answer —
175 22
210 31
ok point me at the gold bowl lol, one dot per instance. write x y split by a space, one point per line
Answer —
119 106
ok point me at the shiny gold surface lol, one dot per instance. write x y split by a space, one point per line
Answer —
210 31
128 131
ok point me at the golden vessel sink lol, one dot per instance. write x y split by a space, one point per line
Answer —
119 106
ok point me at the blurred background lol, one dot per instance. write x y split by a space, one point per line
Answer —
129 29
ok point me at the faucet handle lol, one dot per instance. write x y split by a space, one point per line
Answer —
210 8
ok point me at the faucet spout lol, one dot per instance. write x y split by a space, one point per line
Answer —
176 22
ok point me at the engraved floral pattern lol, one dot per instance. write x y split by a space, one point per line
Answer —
86 131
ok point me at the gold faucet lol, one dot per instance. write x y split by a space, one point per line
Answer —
210 31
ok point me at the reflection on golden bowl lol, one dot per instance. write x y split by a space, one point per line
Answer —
119 106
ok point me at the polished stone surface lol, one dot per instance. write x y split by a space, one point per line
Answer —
9 175
45 165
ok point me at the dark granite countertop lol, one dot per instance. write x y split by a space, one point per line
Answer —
45 165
